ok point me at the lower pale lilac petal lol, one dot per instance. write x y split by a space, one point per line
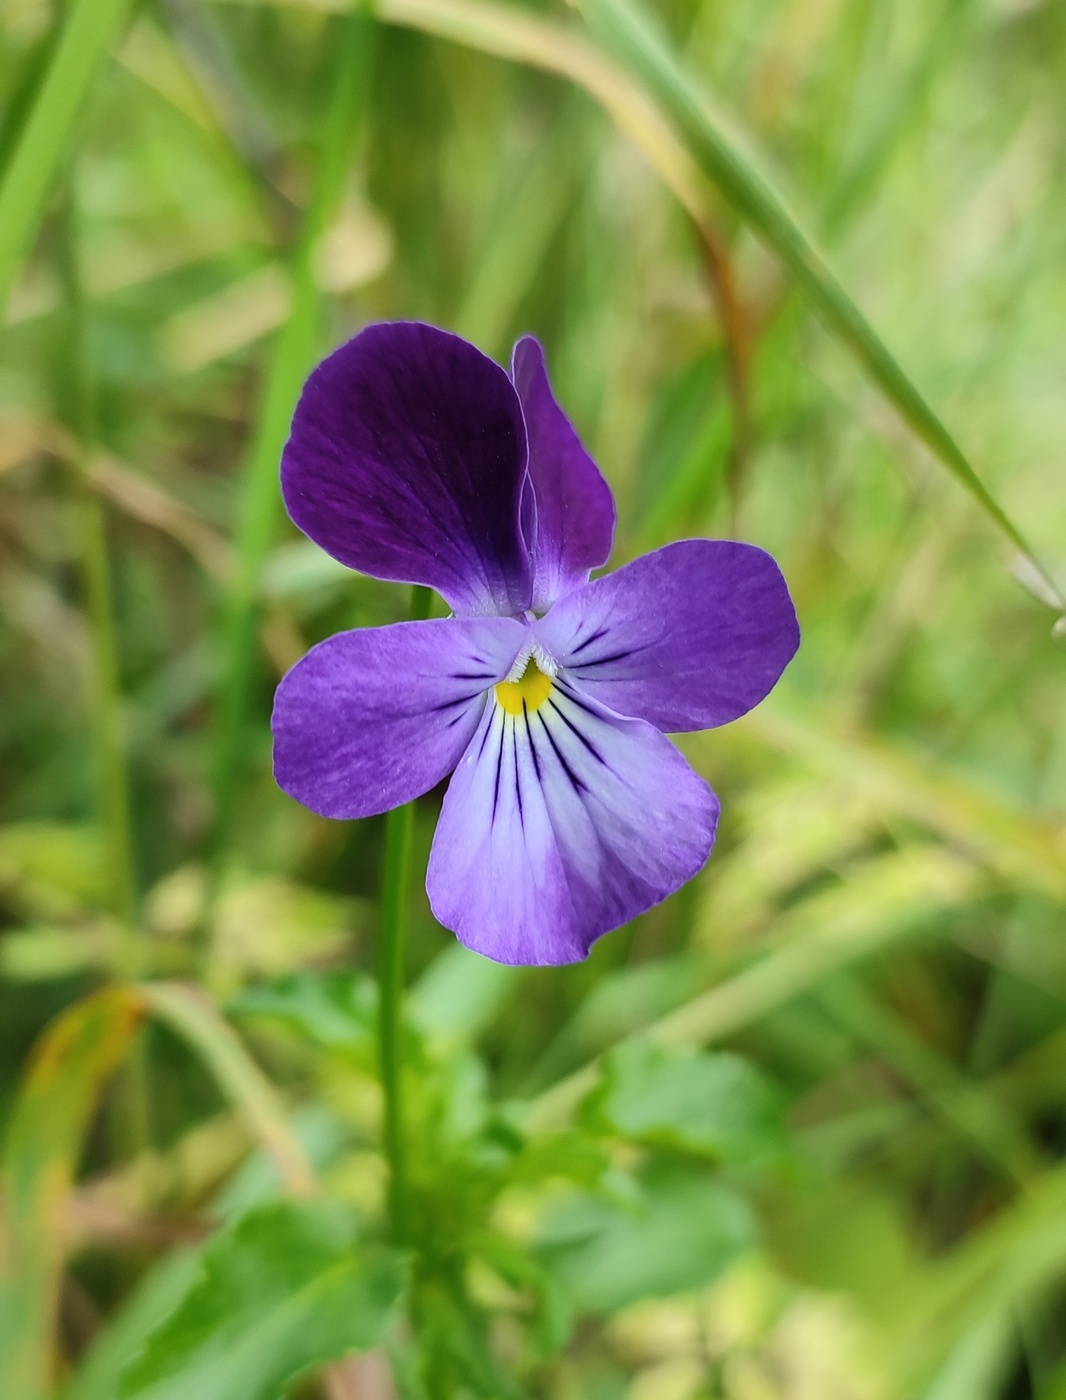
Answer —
371 719
689 637
562 824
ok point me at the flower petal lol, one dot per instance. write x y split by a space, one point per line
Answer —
689 637
370 719
575 512
561 824
407 460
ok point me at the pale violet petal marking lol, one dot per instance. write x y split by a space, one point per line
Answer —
560 824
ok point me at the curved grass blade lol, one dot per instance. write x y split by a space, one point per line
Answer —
51 1117
707 153
627 33
33 167
522 37
194 1018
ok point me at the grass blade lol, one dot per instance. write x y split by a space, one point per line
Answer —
51 1117
193 1016
294 352
29 177
887 899
626 32
55 1106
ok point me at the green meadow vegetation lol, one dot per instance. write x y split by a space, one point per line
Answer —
799 1133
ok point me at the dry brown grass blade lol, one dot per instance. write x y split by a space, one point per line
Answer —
23 437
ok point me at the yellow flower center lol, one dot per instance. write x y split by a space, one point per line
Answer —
529 691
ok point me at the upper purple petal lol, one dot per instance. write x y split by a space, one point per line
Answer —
371 719
689 637
575 514
561 824
407 460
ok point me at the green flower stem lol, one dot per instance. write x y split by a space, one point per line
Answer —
398 835
259 512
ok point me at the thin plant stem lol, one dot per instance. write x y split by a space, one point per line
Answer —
259 512
399 830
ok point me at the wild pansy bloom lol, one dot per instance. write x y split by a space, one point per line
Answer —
416 458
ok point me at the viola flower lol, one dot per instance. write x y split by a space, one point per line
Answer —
416 458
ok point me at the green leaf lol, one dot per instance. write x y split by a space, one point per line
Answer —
719 1105
459 993
285 1289
678 1232
337 1010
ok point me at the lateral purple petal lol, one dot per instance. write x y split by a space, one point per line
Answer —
560 825
407 460
370 719
575 514
689 637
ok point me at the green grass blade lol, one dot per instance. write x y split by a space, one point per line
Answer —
520 36
626 32
859 179
194 1017
885 900
74 1060
294 352
48 1125
35 163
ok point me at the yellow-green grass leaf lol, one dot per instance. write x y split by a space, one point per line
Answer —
52 1114
883 900
1021 848
82 49
53 1111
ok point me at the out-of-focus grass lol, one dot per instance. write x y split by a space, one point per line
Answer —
880 930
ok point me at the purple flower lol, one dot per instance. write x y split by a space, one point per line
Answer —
414 457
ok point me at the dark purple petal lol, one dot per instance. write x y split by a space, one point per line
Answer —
575 512
561 824
689 637
370 719
407 460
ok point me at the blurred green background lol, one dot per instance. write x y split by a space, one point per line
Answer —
798 1133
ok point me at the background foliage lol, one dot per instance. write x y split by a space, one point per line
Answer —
798 1134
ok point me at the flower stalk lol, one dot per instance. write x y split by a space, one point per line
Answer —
399 829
